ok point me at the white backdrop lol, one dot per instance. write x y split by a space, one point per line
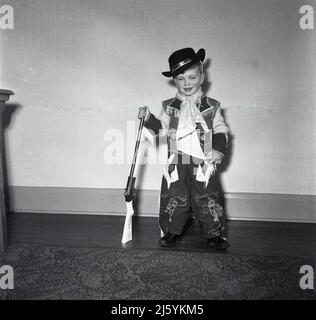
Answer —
81 68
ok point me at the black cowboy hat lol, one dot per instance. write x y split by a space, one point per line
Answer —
183 59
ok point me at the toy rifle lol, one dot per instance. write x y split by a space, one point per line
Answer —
130 191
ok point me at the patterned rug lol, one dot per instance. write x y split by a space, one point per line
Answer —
50 273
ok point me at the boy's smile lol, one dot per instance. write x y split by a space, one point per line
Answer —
189 81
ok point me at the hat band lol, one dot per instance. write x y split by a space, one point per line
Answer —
180 64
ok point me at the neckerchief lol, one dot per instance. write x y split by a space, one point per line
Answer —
190 115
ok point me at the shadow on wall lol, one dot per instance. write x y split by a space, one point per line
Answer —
229 150
226 161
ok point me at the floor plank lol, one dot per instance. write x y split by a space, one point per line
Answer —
245 237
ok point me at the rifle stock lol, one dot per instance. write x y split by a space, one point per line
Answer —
128 230
129 196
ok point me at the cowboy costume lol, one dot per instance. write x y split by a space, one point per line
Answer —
196 132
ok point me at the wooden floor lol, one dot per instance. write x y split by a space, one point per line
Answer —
245 237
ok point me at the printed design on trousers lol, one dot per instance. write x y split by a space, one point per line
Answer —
215 232
203 197
173 203
211 207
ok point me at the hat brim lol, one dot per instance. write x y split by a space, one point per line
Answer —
200 56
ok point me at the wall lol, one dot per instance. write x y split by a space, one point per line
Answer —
81 68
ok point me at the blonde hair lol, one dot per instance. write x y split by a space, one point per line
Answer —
198 64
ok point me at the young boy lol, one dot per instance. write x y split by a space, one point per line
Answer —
197 140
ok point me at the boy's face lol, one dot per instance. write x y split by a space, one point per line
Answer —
189 81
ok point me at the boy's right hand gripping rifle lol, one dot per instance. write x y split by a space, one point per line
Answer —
130 191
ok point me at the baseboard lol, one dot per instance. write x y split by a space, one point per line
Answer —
239 206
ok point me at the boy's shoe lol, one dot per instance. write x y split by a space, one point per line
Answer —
169 240
218 243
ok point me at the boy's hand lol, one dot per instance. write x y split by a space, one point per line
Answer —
214 157
144 112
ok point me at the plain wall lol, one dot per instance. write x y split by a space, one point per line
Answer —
81 68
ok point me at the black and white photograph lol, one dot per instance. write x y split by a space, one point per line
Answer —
157 155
